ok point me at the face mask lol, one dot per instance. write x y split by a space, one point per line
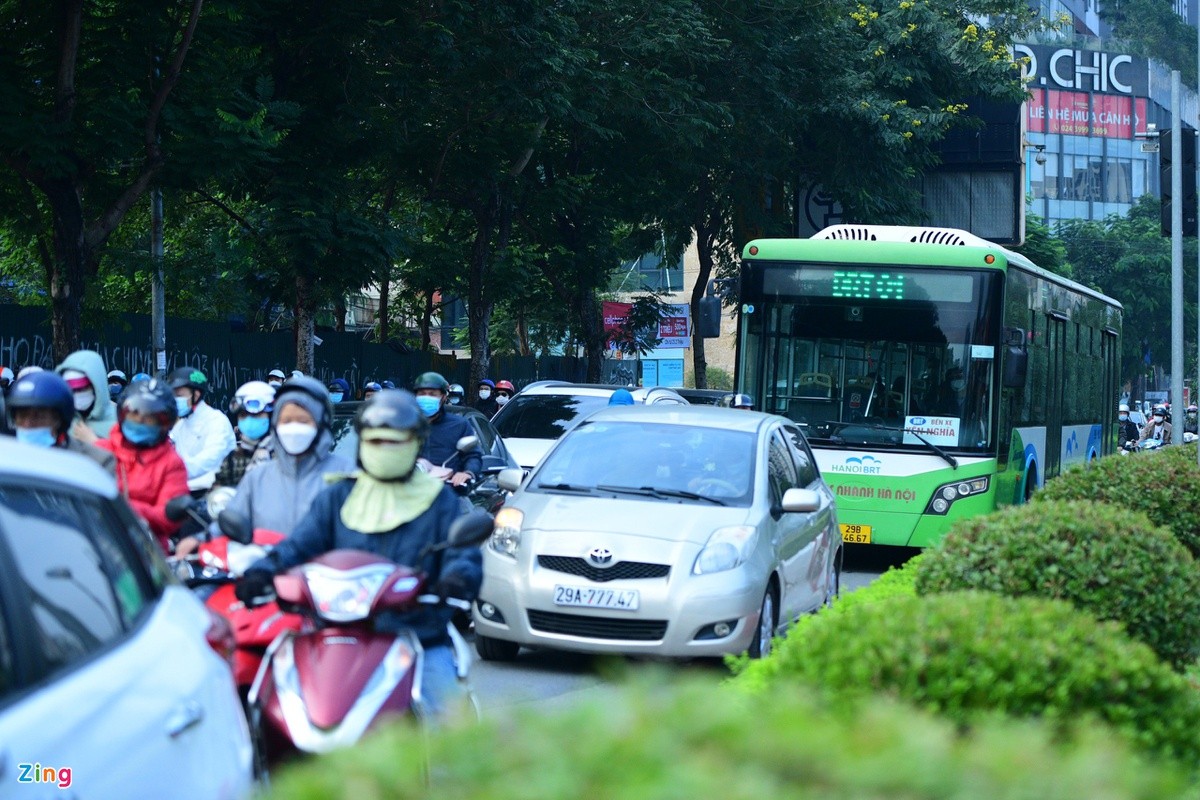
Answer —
295 437
276 384
114 389
455 399
139 434
183 406
84 401
388 461
1158 420
958 385
484 394
429 405
336 396
502 399
254 428
41 437
1123 417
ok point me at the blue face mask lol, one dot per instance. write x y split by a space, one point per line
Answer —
336 397
41 437
254 428
183 406
114 389
429 405
139 434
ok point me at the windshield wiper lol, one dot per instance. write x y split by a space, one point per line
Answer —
567 487
661 494
949 459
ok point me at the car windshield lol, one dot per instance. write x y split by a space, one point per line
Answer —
661 462
544 416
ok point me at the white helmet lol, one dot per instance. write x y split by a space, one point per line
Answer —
253 397
1124 407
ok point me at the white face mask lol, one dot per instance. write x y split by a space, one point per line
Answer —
502 399
484 394
295 437
84 400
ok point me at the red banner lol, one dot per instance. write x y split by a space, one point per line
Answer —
1080 114
615 315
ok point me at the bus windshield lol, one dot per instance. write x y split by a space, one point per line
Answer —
901 357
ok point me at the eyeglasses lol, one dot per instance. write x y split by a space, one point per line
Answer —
503 394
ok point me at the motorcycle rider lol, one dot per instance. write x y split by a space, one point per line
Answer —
370 388
276 494
41 409
339 390
84 372
487 403
390 508
117 381
445 429
251 405
202 435
275 378
1190 422
1157 427
455 394
742 401
1127 429
6 378
504 392
149 471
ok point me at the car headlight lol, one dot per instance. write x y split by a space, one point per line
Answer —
726 548
345 596
506 536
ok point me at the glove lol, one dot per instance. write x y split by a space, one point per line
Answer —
452 586
253 585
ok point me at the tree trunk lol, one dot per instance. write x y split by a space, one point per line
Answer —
68 267
382 316
523 347
592 328
305 325
426 324
339 310
705 236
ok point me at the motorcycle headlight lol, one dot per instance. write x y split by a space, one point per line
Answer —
345 596
506 536
726 548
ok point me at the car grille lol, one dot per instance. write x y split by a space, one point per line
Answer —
622 570
640 630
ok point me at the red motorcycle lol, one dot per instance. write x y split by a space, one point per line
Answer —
324 686
211 572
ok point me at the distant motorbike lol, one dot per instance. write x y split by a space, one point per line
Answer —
471 490
1141 447
324 686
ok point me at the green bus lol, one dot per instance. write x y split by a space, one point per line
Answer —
936 375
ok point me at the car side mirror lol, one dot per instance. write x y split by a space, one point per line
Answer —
471 528
510 479
236 526
466 444
800 500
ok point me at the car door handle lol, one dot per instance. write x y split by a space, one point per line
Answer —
187 716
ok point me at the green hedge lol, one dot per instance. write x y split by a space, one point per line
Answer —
1113 562
687 740
1164 484
963 654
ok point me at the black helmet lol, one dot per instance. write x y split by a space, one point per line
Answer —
311 388
191 377
431 380
152 398
395 409
44 390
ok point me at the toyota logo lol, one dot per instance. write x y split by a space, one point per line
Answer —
600 556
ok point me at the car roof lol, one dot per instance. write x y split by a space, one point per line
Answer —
703 416
594 389
53 465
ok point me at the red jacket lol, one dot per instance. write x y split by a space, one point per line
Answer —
148 477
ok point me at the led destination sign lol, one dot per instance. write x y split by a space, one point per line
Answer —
868 285
884 284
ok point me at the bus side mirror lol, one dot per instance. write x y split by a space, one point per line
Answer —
1016 359
709 323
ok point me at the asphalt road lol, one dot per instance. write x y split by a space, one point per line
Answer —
550 679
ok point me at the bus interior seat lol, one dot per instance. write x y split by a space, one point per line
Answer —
816 385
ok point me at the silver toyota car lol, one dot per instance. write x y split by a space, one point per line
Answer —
664 530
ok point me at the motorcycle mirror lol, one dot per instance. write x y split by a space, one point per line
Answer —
236 526
177 507
466 444
470 528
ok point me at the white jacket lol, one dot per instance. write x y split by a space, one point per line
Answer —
203 438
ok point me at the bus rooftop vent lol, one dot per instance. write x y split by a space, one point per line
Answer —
901 233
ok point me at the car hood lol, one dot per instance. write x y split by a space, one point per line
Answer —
528 452
667 520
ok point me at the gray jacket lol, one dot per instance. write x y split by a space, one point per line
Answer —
104 413
276 494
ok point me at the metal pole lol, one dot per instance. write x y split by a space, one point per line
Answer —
1176 396
1196 385
158 310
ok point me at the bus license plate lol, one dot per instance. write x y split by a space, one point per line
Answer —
856 534
587 597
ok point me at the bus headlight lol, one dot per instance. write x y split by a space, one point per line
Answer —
945 495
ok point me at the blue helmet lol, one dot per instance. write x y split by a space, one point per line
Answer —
43 390
141 376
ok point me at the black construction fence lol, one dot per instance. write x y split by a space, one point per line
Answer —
230 358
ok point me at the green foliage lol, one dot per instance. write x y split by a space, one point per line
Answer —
966 654
1043 248
684 740
1154 29
718 378
1162 484
1111 562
